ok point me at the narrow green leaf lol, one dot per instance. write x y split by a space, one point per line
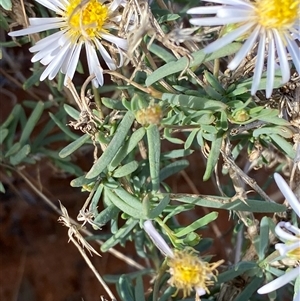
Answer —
120 234
223 203
201 222
125 289
128 198
126 169
159 208
63 127
3 135
153 137
96 198
33 79
14 149
176 153
194 102
3 22
20 155
199 57
72 147
173 168
107 214
124 207
190 139
114 104
139 289
113 147
284 145
213 157
72 112
235 271
263 237
32 121
127 148
162 53
278 130
16 113
213 81
81 181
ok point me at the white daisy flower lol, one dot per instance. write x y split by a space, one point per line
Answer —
274 24
188 271
79 23
290 236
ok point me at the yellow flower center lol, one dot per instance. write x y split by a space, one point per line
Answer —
85 18
188 271
278 14
294 254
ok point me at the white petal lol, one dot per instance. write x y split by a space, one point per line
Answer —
232 2
114 5
270 68
241 54
283 235
94 65
292 229
284 249
294 50
157 239
232 12
228 38
53 68
122 43
282 55
288 193
204 10
106 56
46 42
72 64
50 5
35 29
216 21
280 281
42 21
50 56
260 58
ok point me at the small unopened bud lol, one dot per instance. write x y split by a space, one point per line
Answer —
150 115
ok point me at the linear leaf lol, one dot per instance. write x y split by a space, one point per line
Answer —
32 121
173 168
199 57
72 147
119 235
201 222
113 146
194 102
222 203
126 169
127 148
154 155
213 157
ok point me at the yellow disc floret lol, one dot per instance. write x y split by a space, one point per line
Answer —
85 18
295 253
188 271
277 14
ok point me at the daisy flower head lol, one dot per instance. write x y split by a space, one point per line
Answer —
188 271
273 24
79 23
290 246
